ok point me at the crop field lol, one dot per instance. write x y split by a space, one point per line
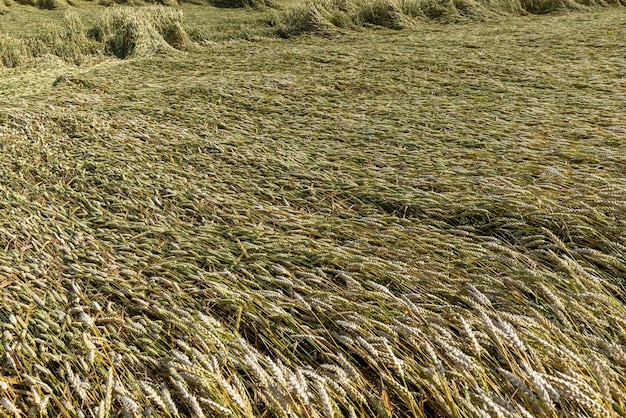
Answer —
372 209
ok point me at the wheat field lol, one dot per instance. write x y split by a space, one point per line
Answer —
199 217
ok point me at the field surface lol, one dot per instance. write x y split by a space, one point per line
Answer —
427 222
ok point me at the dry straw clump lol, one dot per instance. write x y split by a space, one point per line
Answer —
13 52
122 32
127 32
51 4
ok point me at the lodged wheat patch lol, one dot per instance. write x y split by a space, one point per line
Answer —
325 16
376 224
